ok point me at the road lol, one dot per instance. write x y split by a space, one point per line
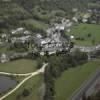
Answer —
86 48
27 78
94 87
77 95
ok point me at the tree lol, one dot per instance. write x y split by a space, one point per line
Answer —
89 35
25 93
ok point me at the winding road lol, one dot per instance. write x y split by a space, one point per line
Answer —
29 75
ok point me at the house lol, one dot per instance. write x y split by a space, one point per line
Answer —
72 37
3 35
84 20
4 58
75 19
18 30
60 27
27 32
21 39
68 30
75 9
39 36
86 17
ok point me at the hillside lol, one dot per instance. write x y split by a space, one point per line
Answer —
15 13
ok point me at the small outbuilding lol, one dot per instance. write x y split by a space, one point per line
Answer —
4 58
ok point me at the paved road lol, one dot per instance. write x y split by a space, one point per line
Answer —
27 78
77 95
94 87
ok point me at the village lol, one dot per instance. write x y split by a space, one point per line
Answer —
49 49
55 41
22 41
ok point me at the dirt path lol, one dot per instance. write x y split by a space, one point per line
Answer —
30 75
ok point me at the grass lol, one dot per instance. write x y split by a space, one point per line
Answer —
33 85
3 50
35 24
82 30
73 79
19 66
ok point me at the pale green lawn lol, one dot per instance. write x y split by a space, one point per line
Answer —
19 66
3 50
82 30
73 78
35 24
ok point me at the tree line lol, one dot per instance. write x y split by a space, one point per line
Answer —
57 65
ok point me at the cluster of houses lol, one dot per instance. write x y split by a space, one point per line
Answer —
91 16
56 40
20 35
6 57
83 19
15 36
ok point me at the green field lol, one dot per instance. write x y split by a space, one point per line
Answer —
3 50
35 24
33 85
90 33
73 78
19 66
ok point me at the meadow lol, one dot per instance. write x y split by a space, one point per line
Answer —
19 66
86 34
73 78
